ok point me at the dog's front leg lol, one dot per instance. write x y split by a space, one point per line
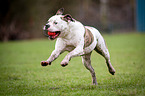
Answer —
59 48
76 52
53 56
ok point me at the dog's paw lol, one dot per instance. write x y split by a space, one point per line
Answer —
112 72
63 64
45 63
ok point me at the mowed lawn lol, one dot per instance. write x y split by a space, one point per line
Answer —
22 75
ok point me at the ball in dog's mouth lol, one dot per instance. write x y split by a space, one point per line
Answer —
51 35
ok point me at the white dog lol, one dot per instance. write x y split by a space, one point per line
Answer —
77 39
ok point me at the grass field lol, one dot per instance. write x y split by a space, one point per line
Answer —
21 72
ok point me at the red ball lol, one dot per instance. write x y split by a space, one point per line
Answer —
51 33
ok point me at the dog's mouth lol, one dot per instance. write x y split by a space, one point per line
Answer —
52 35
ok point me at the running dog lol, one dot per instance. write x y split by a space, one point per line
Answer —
77 39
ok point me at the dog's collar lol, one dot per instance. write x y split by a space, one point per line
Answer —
88 38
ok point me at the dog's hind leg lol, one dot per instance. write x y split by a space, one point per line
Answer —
86 59
101 48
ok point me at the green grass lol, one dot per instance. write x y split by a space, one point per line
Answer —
21 72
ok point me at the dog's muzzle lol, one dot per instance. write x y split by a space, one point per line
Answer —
51 35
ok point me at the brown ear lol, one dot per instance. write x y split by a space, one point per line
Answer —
68 17
60 11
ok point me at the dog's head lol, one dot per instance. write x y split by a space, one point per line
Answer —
57 24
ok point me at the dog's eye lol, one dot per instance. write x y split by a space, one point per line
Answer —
55 23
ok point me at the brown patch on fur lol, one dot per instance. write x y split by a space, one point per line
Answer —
88 38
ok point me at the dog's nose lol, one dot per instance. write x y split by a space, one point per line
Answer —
47 26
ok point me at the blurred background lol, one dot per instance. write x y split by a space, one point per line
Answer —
24 19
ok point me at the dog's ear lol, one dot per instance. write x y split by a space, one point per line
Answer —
68 17
60 11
